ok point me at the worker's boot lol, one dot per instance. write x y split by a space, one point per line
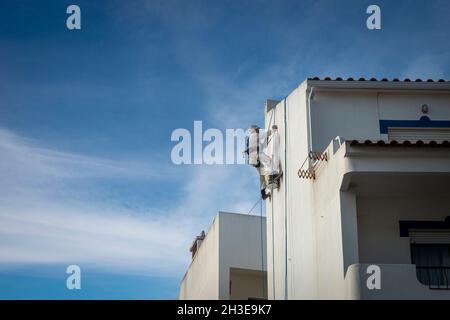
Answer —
264 194
274 182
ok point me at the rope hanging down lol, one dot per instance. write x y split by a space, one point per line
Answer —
254 206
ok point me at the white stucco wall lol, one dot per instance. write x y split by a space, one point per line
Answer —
356 115
378 224
398 282
232 241
292 259
240 246
336 229
407 106
247 284
201 280
353 115
321 219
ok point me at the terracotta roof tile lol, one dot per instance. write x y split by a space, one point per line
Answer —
399 143
327 78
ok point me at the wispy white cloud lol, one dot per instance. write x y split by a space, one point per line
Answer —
112 240
38 226
24 155
428 66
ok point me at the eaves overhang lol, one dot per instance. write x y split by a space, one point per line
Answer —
350 84
391 158
402 148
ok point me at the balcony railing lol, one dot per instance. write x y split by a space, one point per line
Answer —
434 277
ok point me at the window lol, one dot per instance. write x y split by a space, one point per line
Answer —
430 250
433 264
424 134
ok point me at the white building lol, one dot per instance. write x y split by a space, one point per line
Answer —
375 191
228 261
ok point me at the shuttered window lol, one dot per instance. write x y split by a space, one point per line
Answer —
430 236
430 252
432 264
424 134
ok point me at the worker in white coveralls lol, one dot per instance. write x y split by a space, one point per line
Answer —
263 149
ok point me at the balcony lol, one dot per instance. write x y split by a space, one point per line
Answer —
398 282
434 277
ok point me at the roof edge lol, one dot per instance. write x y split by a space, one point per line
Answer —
375 84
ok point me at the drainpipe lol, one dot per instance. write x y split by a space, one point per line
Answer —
285 204
309 124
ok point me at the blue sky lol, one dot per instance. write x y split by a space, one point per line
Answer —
86 118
